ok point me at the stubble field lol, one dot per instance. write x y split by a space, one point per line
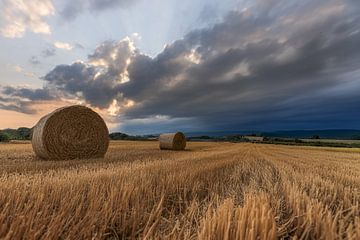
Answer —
210 191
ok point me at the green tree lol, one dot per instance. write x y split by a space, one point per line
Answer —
315 137
4 137
24 133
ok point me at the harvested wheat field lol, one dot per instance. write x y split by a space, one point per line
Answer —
209 191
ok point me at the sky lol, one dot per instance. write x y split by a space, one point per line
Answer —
191 65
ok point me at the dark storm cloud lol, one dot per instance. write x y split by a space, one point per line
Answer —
21 99
78 78
208 14
74 7
278 68
275 65
2 99
22 107
30 94
251 65
97 81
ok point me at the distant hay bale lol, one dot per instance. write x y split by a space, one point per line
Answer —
172 141
73 132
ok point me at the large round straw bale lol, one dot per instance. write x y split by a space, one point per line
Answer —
172 141
69 133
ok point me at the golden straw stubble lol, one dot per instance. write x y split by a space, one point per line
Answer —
172 141
73 132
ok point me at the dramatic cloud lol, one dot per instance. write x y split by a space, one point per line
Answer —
21 99
272 65
73 8
97 80
19 16
30 94
256 69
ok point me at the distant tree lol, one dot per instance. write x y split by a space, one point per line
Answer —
118 136
236 138
123 136
355 137
315 137
266 138
24 133
4 137
204 137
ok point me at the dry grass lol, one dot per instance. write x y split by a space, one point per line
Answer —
212 191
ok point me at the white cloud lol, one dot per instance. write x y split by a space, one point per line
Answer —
30 74
19 16
63 45
136 36
193 57
18 69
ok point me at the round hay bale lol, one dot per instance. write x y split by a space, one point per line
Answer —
73 132
172 141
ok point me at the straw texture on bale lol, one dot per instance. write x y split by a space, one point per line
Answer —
172 141
73 132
